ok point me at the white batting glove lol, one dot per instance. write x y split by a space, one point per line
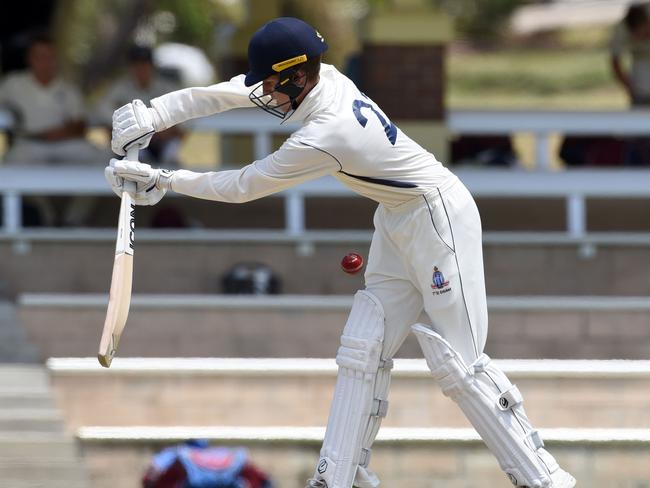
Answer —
133 123
151 184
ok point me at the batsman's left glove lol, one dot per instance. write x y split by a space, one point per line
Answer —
133 124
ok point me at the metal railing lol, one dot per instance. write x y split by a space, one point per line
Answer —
543 124
574 185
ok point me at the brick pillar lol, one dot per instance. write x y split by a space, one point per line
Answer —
403 70
406 81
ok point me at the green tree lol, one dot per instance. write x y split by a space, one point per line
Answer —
94 36
481 21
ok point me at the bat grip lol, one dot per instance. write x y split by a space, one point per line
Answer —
132 155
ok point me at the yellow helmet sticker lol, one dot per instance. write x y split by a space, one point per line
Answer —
282 65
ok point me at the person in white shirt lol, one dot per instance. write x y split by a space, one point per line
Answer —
631 39
144 82
632 36
49 125
49 111
425 267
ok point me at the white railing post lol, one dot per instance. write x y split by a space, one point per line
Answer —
12 216
543 150
576 215
294 212
262 144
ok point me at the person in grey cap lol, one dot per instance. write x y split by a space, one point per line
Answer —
425 267
144 82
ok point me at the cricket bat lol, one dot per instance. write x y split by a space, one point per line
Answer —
119 299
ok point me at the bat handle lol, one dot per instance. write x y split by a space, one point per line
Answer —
132 154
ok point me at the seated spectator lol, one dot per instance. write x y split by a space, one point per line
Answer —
49 113
483 150
632 36
594 150
49 124
144 82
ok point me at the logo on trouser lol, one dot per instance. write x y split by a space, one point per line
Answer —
439 285
322 466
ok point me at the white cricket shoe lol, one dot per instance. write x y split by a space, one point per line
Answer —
562 479
315 483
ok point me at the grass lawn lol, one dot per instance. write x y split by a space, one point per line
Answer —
573 74
567 76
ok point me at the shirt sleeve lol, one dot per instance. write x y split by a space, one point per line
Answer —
189 103
75 108
290 165
8 91
112 100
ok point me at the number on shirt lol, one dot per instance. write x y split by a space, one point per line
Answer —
389 128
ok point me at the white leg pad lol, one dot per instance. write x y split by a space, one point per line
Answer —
359 401
494 407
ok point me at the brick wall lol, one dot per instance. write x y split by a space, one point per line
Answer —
407 82
263 398
196 267
401 464
217 332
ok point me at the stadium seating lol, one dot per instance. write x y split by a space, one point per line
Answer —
554 293
310 325
35 449
592 416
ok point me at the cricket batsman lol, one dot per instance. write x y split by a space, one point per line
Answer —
425 266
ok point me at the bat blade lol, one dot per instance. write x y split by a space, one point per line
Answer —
119 300
118 308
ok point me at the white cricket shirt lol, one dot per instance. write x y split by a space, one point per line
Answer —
344 134
125 90
622 43
38 107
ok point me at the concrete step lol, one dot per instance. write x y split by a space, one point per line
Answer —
44 459
47 446
30 420
23 378
414 458
265 392
52 483
35 450
37 471
309 326
186 263
25 399
14 345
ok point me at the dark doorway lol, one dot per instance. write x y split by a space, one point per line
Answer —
26 17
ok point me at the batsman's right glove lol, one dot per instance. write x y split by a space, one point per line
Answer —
151 183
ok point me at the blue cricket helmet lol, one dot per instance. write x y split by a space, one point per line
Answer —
280 44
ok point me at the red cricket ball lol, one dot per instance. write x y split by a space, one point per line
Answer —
352 263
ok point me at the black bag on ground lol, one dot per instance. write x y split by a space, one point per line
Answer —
251 279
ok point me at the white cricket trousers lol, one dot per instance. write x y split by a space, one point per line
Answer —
426 262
